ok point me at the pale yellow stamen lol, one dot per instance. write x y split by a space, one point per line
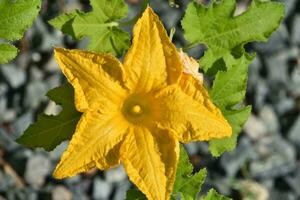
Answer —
136 109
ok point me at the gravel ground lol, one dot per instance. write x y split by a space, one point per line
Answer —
265 164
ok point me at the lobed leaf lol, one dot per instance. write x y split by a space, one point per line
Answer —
133 194
228 90
213 195
223 33
187 184
100 26
50 131
15 18
7 53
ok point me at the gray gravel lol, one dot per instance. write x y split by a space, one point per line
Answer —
266 160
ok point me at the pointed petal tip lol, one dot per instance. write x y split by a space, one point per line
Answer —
148 12
57 175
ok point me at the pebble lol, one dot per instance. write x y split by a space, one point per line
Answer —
61 193
251 190
14 75
284 105
101 189
121 189
37 168
6 181
115 175
233 161
261 91
3 89
277 42
294 133
293 87
294 181
6 142
21 124
35 93
296 30
255 128
290 5
269 119
276 158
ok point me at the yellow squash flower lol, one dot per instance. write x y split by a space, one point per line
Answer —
136 113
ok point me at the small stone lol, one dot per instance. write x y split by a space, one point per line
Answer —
192 148
294 133
6 181
294 88
121 190
284 105
14 75
53 81
269 119
277 65
52 65
282 195
276 42
252 190
296 30
276 158
18 159
22 123
58 151
36 74
294 181
36 57
233 161
115 175
3 89
73 180
35 92
9 115
260 93
254 69
37 168
255 128
61 193
6 142
101 189
3 104
290 5
171 17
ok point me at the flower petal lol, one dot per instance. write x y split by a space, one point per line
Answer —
95 143
190 115
153 60
96 77
150 160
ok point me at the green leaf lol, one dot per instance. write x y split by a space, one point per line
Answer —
217 28
133 194
228 90
187 184
213 195
236 119
100 26
7 53
16 16
229 87
50 131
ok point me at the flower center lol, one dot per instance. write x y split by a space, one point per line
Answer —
137 109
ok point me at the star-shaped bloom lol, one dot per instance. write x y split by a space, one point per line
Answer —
136 113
